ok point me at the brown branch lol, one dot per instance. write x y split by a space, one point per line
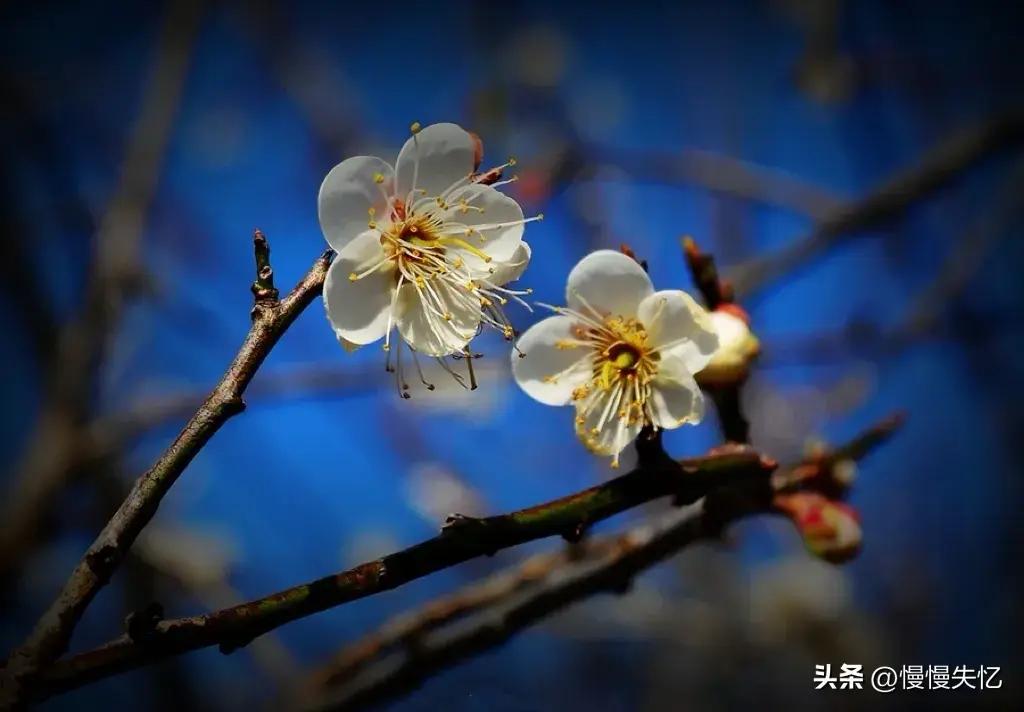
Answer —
51 453
462 539
50 638
407 651
934 171
716 293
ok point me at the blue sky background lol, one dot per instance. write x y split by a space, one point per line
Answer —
299 487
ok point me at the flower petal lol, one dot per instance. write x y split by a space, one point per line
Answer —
433 160
608 281
346 196
545 372
512 270
358 310
676 399
676 323
491 223
421 321
608 438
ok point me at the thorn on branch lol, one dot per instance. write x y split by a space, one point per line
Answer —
263 288
140 626
650 451
576 533
457 523
233 406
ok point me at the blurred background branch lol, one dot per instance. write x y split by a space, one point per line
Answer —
117 274
934 171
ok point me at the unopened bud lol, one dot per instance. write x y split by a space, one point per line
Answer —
830 530
738 348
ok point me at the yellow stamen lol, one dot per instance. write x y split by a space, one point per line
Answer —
457 242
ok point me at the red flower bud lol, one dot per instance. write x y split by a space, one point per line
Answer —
830 529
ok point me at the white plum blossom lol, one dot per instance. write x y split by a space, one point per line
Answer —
422 246
738 347
623 354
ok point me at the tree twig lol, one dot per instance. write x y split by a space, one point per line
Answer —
270 319
373 671
463 538
728 398
936 169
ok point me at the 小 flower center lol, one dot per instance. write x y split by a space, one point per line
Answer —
621 353
623 356
414 246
